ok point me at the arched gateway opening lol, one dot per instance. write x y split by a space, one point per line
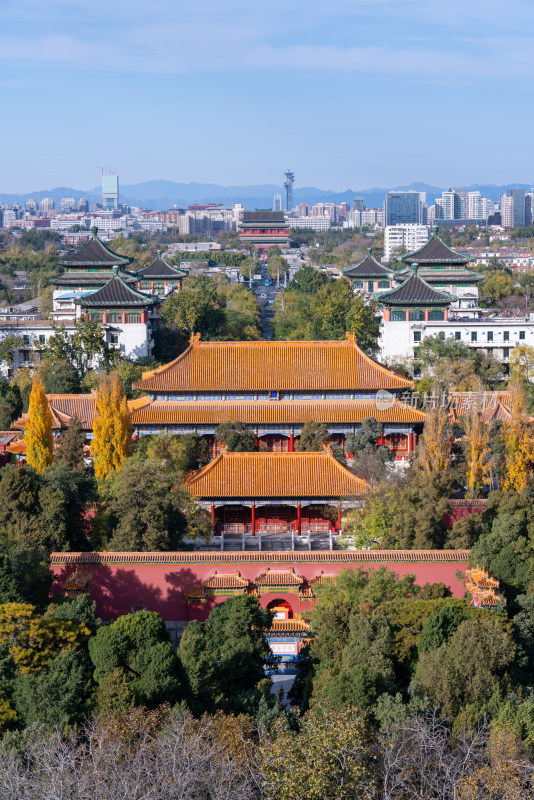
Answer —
280 609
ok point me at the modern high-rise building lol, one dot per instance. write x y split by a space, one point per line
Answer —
358 204
516 208
288 186
67 204
46 204
404 239
110 190
405 208
277 202
31 206
83 205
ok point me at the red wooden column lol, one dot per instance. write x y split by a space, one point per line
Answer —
291 446
299 519
410 442
253 519
212 517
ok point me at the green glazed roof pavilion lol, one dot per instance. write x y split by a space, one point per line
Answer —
368 269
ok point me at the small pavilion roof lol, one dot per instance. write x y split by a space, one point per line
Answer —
368 268
434 252
66 407
266 475
283 412
162 269
95 254
271 365
415 291
116 292
279 576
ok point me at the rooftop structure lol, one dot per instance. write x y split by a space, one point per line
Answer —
275 475
272 369
160 277
369 274
264 229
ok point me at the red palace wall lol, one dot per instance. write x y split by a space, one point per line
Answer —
122 582
462 508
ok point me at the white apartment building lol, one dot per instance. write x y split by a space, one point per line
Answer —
408 236
316 223
495 336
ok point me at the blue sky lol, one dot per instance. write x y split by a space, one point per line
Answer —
348 94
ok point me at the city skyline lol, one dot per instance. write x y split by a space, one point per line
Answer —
234 94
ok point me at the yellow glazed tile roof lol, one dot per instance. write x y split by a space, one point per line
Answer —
279 577
274 412
275 475
265 366
232 580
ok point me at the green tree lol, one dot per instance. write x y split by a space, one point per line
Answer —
137 647
439 627
313 435
60 377
9 590
9 347
237 438
232 650
419 508
196 309
10 403
495 286
69 449
145 512
469 668
365 440
308 280
59 694
63 496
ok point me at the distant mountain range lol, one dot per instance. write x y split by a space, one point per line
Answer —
166 194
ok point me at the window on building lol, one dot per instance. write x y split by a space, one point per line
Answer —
416 315
457 335
357 284
133 319
506 336
26 339
370 286
506 352
441 335
383 284
114 338
521 334
42 338
398 316
436 315
114 316
474 336
489 351
417 336
490 336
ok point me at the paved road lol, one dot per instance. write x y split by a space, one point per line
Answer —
269 293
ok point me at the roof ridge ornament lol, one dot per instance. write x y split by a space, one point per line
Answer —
415 268
369 249
94 231
194 339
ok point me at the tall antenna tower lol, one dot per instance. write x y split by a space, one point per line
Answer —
288 186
